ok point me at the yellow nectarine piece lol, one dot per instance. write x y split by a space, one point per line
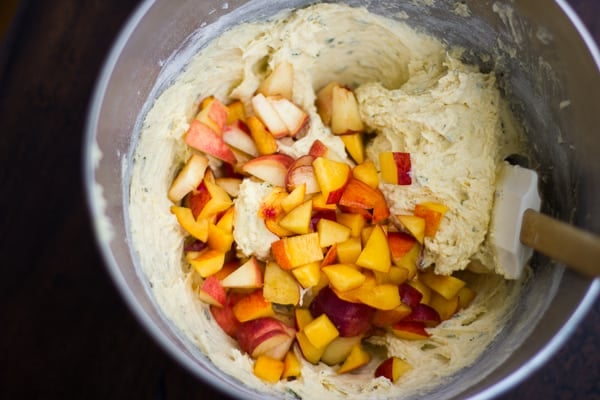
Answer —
253 306
208 262
235 111
219 199
321 331
280 286
291 252
268 369
432 213
331 232
308 275
198 228
385 318
446 308
354 146
219 239
424 289
331 176
291 366
343 277
264 140
294 198
465 296
356 359
382 297
298 219
367 173
446 285
355 222
226 220
303 317
414 225
376 253
188 178
309 351
349 250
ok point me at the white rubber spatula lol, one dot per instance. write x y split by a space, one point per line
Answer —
517 228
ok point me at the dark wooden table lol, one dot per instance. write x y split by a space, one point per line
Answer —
64 331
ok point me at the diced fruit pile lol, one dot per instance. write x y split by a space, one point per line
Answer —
343 268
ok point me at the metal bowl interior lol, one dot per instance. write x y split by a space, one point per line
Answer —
555 98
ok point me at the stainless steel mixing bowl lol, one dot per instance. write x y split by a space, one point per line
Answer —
548 67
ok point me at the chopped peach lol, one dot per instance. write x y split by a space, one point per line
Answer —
354 146
410 260
432 213
398 275
349 250
268 369
226 220
395 167
343 277
447 286
269 116
414 225
212 292
385 318
219 199
324 102
298 219
213 114
320 204
264 140
271 168
367 173
382 297
279 82
201 137
321 331
345 116
332 177
294 198
271 211
331 232
247 276
197 228
354 295
465 296
392 368
253 306
310 352
291 366
308 275
376 253
359 195
410 330
208 262
301 172
291 252
446 308
235 112
355 222
424 289
219 239
303 317
330 256
339 349
188 178
294 118
357 358
280 286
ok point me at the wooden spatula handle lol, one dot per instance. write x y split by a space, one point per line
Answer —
578 249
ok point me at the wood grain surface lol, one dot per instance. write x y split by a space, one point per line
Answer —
64 330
